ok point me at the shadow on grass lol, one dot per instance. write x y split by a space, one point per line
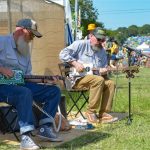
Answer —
91 137
5 146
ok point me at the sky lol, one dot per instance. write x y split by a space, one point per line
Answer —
123 13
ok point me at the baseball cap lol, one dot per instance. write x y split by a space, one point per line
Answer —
30 25
99 33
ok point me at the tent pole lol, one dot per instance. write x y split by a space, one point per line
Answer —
76 18
9 17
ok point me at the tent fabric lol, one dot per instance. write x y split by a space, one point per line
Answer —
68 23
68 18
60 2
68 13
143 46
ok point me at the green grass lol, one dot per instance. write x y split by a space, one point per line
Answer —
119 135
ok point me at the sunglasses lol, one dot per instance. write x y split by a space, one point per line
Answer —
101 40
31 34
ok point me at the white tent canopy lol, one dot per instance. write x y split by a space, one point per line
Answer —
60 2
143 46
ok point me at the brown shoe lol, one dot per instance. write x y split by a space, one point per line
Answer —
91 117
107 118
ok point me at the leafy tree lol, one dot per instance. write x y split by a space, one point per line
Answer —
133 30
88 14
145 29
120 35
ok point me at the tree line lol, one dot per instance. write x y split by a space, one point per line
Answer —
122 33
89 14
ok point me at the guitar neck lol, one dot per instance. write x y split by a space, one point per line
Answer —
43 77
119 68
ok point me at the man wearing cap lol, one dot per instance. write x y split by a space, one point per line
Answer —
101 89
90 29
15 54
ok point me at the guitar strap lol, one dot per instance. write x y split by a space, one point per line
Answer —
49 116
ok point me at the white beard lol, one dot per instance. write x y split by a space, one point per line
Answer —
22 46
95 48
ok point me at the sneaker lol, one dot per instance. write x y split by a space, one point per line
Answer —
27 143
47 133
91 117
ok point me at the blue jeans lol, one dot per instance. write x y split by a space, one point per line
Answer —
22 98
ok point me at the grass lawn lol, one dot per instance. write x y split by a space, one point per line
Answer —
119 135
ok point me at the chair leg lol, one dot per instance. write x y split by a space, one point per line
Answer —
74 103
9 123
82 94
86 101
12 130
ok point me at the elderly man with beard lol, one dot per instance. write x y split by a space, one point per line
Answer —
15 54
91 53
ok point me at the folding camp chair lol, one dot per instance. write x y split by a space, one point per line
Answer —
75 95
8 118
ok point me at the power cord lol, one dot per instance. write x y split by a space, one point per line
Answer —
57 129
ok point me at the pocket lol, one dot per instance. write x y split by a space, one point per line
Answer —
11 59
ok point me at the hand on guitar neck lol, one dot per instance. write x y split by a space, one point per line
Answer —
103 71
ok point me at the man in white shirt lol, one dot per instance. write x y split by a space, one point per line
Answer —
101 89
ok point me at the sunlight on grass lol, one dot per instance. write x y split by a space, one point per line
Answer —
119 135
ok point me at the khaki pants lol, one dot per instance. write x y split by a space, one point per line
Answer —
101 92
